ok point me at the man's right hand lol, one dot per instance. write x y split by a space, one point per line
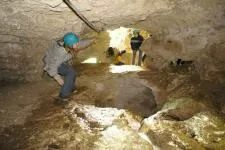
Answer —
59 80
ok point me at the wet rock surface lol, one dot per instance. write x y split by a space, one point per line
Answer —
202 131
18 100
82 124
189 117
185 120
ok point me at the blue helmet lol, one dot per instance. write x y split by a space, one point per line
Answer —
70 39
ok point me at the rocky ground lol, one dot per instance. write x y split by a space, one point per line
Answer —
130 110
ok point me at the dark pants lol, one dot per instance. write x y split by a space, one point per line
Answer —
139 57
69 75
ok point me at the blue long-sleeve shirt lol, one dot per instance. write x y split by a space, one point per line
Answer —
136 42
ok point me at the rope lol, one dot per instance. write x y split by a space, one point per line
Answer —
76 11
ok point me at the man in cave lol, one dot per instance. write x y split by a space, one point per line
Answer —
57 65
135 43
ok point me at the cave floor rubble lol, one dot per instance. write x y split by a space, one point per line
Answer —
130 110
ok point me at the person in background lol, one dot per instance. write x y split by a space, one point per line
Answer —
110 52
146 47
135 43
115 59
118 60
57 65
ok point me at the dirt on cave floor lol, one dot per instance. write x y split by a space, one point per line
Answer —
30 119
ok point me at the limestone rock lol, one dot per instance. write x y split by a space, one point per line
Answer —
114 125
203 130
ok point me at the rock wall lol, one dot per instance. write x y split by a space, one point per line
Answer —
28 26
192 30
186 29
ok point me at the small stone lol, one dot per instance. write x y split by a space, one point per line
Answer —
216 140
66 126
223 109
219 132
32 137
2 111
53 146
